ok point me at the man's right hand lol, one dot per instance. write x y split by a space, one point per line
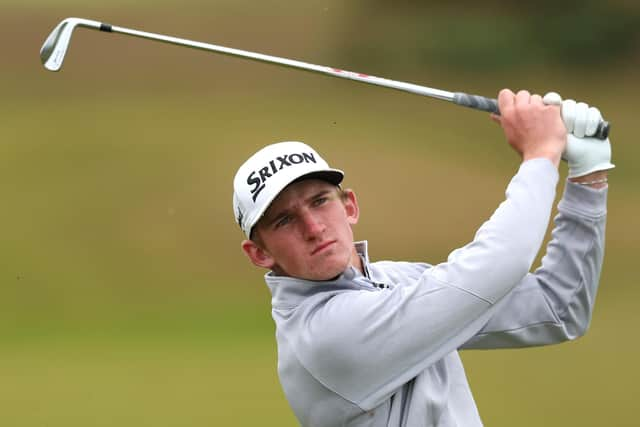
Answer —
532 128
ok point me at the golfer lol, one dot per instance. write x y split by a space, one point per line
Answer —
364 343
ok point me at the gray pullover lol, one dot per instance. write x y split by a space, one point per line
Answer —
380 349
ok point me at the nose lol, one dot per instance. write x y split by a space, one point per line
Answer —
312 226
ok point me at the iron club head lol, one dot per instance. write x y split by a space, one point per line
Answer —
55 46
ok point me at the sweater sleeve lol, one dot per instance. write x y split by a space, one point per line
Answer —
555 303
363 345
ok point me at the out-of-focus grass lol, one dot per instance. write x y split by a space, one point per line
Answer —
179 370
125 299
125 293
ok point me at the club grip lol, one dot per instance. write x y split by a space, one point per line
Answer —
476 101
602 131
491 105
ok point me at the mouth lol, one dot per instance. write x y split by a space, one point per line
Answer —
323 246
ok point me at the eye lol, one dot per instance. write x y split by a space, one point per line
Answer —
320 201
286 219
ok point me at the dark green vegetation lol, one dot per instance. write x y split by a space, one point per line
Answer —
124 297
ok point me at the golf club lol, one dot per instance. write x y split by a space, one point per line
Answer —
55 47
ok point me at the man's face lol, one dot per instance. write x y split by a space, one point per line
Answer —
306 232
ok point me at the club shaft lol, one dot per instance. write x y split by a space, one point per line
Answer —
335 72
459 98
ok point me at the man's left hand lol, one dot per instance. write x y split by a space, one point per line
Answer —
583 153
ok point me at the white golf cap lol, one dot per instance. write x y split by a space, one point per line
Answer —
265 174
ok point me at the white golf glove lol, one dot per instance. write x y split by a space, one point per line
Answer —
583 153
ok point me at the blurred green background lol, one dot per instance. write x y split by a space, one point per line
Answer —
125 299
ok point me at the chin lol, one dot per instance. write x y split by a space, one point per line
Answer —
331 271
321 269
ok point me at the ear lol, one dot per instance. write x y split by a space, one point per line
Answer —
351 207
258 256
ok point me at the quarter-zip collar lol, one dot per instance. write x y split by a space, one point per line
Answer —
288 292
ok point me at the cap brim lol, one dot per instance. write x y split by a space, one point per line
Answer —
333 176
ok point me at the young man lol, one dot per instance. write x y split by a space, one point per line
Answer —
365 343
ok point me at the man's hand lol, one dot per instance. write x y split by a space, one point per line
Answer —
532 128
584 154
